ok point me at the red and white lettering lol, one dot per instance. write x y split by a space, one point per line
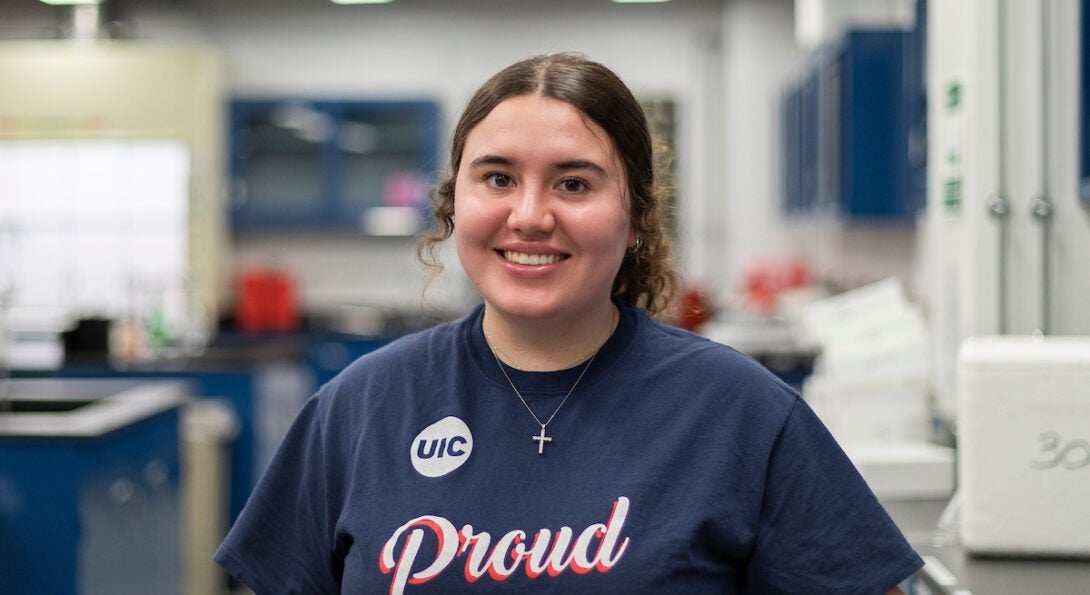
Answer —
541 559
447 538
497 557
599 547
477 546
606 558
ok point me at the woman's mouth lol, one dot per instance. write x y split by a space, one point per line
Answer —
532 259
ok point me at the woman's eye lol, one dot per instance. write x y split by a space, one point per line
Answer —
498 180
573 185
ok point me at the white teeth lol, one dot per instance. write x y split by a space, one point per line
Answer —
531 259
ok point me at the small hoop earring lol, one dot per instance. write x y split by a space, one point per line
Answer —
637 246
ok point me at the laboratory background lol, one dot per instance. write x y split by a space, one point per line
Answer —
209 207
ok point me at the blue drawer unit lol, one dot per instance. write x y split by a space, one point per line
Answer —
89 487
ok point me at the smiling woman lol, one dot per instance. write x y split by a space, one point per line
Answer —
541 226
610 113
460 458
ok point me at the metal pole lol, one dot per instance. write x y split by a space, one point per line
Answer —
1042 205
997 203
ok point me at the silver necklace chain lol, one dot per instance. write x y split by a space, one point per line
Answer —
541 438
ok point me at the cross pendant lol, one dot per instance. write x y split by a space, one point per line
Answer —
541 439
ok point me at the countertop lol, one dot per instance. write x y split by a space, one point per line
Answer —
81 408
953 571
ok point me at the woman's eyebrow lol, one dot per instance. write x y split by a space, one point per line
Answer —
565 165
491 160
581 164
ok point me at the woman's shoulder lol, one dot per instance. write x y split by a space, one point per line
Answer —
709 366
692 349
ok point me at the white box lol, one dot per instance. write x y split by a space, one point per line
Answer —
1023 419
905 471
870 409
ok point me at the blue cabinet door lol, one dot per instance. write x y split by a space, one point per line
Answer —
874 166
351 165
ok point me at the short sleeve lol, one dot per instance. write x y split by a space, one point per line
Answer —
821 528
283 541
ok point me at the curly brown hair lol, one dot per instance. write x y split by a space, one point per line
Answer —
646 277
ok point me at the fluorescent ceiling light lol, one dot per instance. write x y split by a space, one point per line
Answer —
361 1
69 2
640 1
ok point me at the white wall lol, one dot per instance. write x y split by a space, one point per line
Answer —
759 57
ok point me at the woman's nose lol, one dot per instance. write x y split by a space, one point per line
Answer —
531 213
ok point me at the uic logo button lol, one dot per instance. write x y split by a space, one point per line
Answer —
441 447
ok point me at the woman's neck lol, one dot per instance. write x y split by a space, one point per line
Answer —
548 345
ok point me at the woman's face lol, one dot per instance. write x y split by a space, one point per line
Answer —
541 218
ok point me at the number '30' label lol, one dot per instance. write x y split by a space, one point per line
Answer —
1055 452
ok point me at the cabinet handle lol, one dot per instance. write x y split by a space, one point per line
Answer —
122 491
156 473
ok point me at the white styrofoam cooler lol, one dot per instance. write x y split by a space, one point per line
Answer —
1023 418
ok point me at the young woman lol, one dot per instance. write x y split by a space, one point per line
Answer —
556 438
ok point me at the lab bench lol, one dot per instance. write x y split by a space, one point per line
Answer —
264 378
79 514
90 486
950 570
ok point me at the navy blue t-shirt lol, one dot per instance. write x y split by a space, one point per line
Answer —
677 465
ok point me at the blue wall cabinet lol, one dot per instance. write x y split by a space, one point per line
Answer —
350 165
851 122
790 152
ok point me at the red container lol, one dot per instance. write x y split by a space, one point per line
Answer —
266 302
